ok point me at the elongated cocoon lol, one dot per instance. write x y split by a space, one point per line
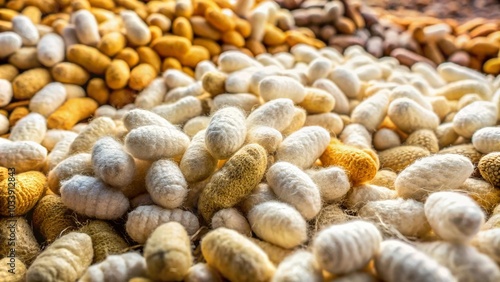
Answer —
295 187
347 247
86 27
303 147
226 132
431 174
69 167
463 261
22 155
487 139
234 60
234 181
23 26
454 217
409 116
48 99
138 117
360 195
168 252
269 217
143 220
91 197
236 257
136 31
29 128
232 219
116 268
111 163
268 137
487 242
473 117
299 266
276 114
96 129
201 272
152 95
398 261
371 111
197 163
406 216
332 182
180 111
274 87
457 89
166 184
50 49
11 42
346 80
154 142
64 260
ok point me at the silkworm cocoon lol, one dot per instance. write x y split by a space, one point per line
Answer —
143 220
4 125
179 111
50 49
299 266
451 72
235 256
239 81
105 240
404 216
25 85
319 68
276 113
424 138
284 178
111 43
29 187
6 92
467 100
91 197
64 260
232 61
341 102
431 174
371 111
463 261
399 158
455 90
201 272
152 95
466 150
23 26
304 53
356 135
453 217
143 142
86 27
11 42
410 92
398 261
275 87
260 194
171 46
360 195
232 219
268 137
166 184
168 260
51 218
141 76
317 101
137 118
29 128
48 99
197 163
332 182
96 129
333 245
293 148
72 111
70 73
429 73
482 192
359 165
298 120
117 74
9 275
243 101
89 58
489 166
26 248
329 215
384 178
73 165
25 58
111 163
487 243
136 31
275 215
226 132
195 89
116 268
346 80
258 19
385 139
245 168
22 155
195 125
409 116
474 117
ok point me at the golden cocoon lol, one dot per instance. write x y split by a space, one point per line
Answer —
117 74
235 256
88 57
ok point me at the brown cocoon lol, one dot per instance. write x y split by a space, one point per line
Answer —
70 73
105 240
29 82
27 247
52 219
121 97
72 111
398 158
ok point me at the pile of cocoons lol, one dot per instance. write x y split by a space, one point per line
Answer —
306 164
